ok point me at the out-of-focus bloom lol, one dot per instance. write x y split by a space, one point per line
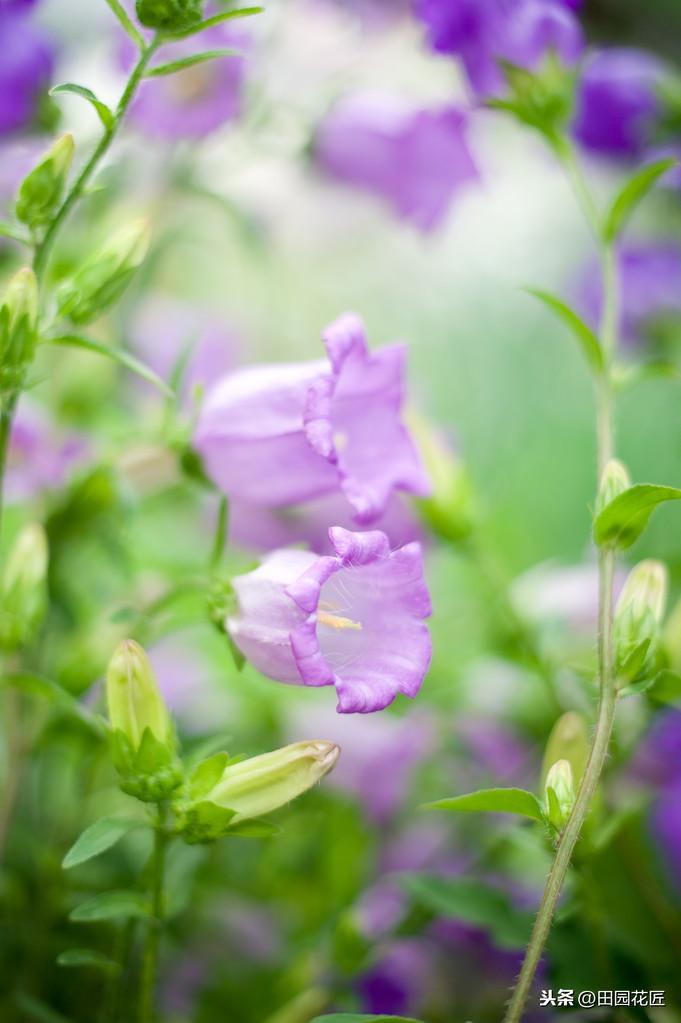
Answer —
657 761
40 458
354 620
26 64
666 828
373 13
493 750
283 434
617 102
17 157
194 102
650 287
192 693
401 979
414 159
561 595
483 32
168 333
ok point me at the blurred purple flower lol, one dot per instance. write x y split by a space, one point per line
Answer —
40 457
495 751
197 101
284 434
414 159
26 64
483 32
650 286
666 827
657 761
401 979
17 157
354 620
617 102
166 332
192 695
373 13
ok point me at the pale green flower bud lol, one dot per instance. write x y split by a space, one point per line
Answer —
449 510
169 15
41 191
18 330
559 793
614 481
23 600
672 638
102 279
569 740
133 698
638 618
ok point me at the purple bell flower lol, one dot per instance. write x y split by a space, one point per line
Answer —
484 32
283 434
26 64
416 160
40 459
354 620
666 827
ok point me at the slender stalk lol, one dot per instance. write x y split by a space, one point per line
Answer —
606 570
153 938
6 418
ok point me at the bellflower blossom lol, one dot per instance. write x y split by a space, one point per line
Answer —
483 32
353 620
39 458
415 159
26 65
283 434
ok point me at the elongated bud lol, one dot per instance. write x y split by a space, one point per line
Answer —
569 740
41 191
169 15
18 330
638 616
672 638
102 279
614 481
559 793
449 509
24 588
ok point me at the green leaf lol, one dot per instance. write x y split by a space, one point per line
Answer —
635 190
127 24
466 899
254 827
99 837
666 687
117 354
87 957
207 774
111 906
354 1017
517 801
186 62
47 689
623 520
104 112
36 1010
217 19
583 334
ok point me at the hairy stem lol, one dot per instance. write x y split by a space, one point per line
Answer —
153 937
606 570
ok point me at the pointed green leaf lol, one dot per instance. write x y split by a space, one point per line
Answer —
623 520
217 19
87 957
117 354
255 827
104 112
634 191
207 774
517 801
127 24
99 837
111 906
186 62
578 328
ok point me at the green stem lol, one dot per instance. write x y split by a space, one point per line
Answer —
153 938
6 418
606 570
43 250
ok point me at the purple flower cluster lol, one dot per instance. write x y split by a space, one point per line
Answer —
26 64
658 763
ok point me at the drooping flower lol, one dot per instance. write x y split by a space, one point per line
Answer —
415 159
283 434
26 64
354 620
484 32
40 458
618 103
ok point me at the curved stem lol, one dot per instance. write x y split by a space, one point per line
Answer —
606 570
150 960
6 419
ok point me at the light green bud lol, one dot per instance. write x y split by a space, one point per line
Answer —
169 15
23 600
672 638
569 740
638 618
449 510
102 279
18 330
41 191
614 481
559 793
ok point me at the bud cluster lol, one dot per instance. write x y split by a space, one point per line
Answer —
169 15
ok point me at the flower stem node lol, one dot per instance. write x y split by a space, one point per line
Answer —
222 793
42 189
23 597
637 623
559 794
18 330
143 738
169 15
614 481
101 280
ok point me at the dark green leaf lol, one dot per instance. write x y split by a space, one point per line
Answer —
117 354
581 332
186 62
517 801
623 520
87 957
634 191
111 906
217 19
99 837
104 113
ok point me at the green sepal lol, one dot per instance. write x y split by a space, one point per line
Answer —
206 775
203 821
150 773
553 812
